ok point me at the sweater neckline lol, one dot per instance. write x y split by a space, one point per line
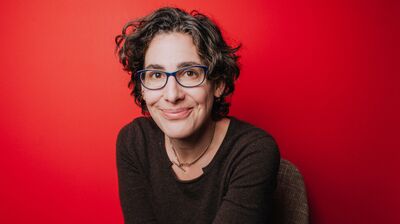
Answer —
206 169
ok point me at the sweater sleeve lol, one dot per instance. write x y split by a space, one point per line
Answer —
252 183
133 186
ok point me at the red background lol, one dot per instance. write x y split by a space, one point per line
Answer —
323 78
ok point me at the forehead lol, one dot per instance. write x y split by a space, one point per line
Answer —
171 49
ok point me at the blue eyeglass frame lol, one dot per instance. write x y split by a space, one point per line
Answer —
140 72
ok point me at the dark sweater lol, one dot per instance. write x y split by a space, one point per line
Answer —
236 186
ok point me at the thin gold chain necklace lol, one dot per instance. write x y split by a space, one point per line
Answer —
180 164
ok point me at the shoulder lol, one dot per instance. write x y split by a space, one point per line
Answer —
137 126
251 144
135 139
253 157
246 134
137 131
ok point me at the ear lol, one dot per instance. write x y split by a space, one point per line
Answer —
142 92
219 89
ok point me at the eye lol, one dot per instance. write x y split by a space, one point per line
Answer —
156 75
191 73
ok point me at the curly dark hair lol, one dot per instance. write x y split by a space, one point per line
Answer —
214 52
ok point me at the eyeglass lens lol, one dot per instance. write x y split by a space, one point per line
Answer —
187 77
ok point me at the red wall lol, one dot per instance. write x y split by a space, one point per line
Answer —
323 78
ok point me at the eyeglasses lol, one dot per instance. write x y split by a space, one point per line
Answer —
191 76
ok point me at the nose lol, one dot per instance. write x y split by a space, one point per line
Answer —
173 92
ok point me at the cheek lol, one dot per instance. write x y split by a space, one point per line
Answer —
204 99
151 97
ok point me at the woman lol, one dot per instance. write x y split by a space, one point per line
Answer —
186 161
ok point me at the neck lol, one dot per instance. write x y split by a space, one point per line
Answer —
190 147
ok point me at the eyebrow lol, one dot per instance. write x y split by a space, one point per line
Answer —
180 65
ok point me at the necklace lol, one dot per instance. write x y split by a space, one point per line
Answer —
180 164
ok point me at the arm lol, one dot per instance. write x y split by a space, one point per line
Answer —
252 183
133 186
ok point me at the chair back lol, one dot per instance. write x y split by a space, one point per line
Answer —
290 205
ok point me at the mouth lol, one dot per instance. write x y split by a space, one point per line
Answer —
176 114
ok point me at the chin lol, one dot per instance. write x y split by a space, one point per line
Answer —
176 129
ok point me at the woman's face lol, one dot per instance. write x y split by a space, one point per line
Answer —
177 110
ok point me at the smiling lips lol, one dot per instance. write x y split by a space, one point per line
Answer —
176 114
